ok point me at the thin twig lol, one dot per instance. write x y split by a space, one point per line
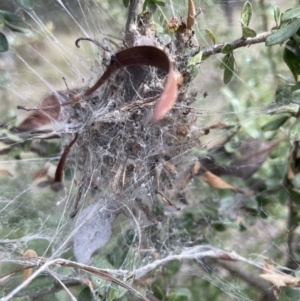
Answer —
260 38
62 284
250 279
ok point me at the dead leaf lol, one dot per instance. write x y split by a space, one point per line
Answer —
290 172
28 271
280 280
253 153
215 181
47 111
40 173
144 55
4 172
118 180
191 15
61 164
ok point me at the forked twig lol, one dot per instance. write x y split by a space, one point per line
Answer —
62 284
195 253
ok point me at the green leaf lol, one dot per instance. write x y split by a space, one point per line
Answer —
126 3
2 19
275 124
277 15
151 7
294 133
286 79
284 33
227 48
248 32
246 13
211 35
26 4
3 43
160 3
290 14
195 60
229 68
296 181
220 227
180 294
291 56
173 267
157 292
158 287
85 295
16 28
11 17
193 65
288 94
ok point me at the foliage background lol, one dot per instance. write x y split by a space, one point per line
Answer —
257 227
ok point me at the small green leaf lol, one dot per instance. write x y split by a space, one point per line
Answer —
126 3
157 292
291 56
229 68
15 28
160 3
193 65
291 13
211 35
227 48
246 13
284 33
158 287
294 132
286 79
151 7
277 15
180 294
2 19
195 59
85 295
10 16
26 4
173 267
220 227
275 124
248 32
288 94
3 43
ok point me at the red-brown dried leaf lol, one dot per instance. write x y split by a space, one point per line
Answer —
150 56
46 112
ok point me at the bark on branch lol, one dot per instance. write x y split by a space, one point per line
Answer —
210 50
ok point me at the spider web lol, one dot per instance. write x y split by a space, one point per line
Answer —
143 228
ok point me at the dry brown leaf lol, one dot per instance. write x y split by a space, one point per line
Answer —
290 172
218 125
88 282
29 271
40 173
281 280
4 172
193 172
191 15
118 180
215 181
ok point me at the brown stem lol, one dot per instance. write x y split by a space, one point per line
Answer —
250 280
135 8
210 50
